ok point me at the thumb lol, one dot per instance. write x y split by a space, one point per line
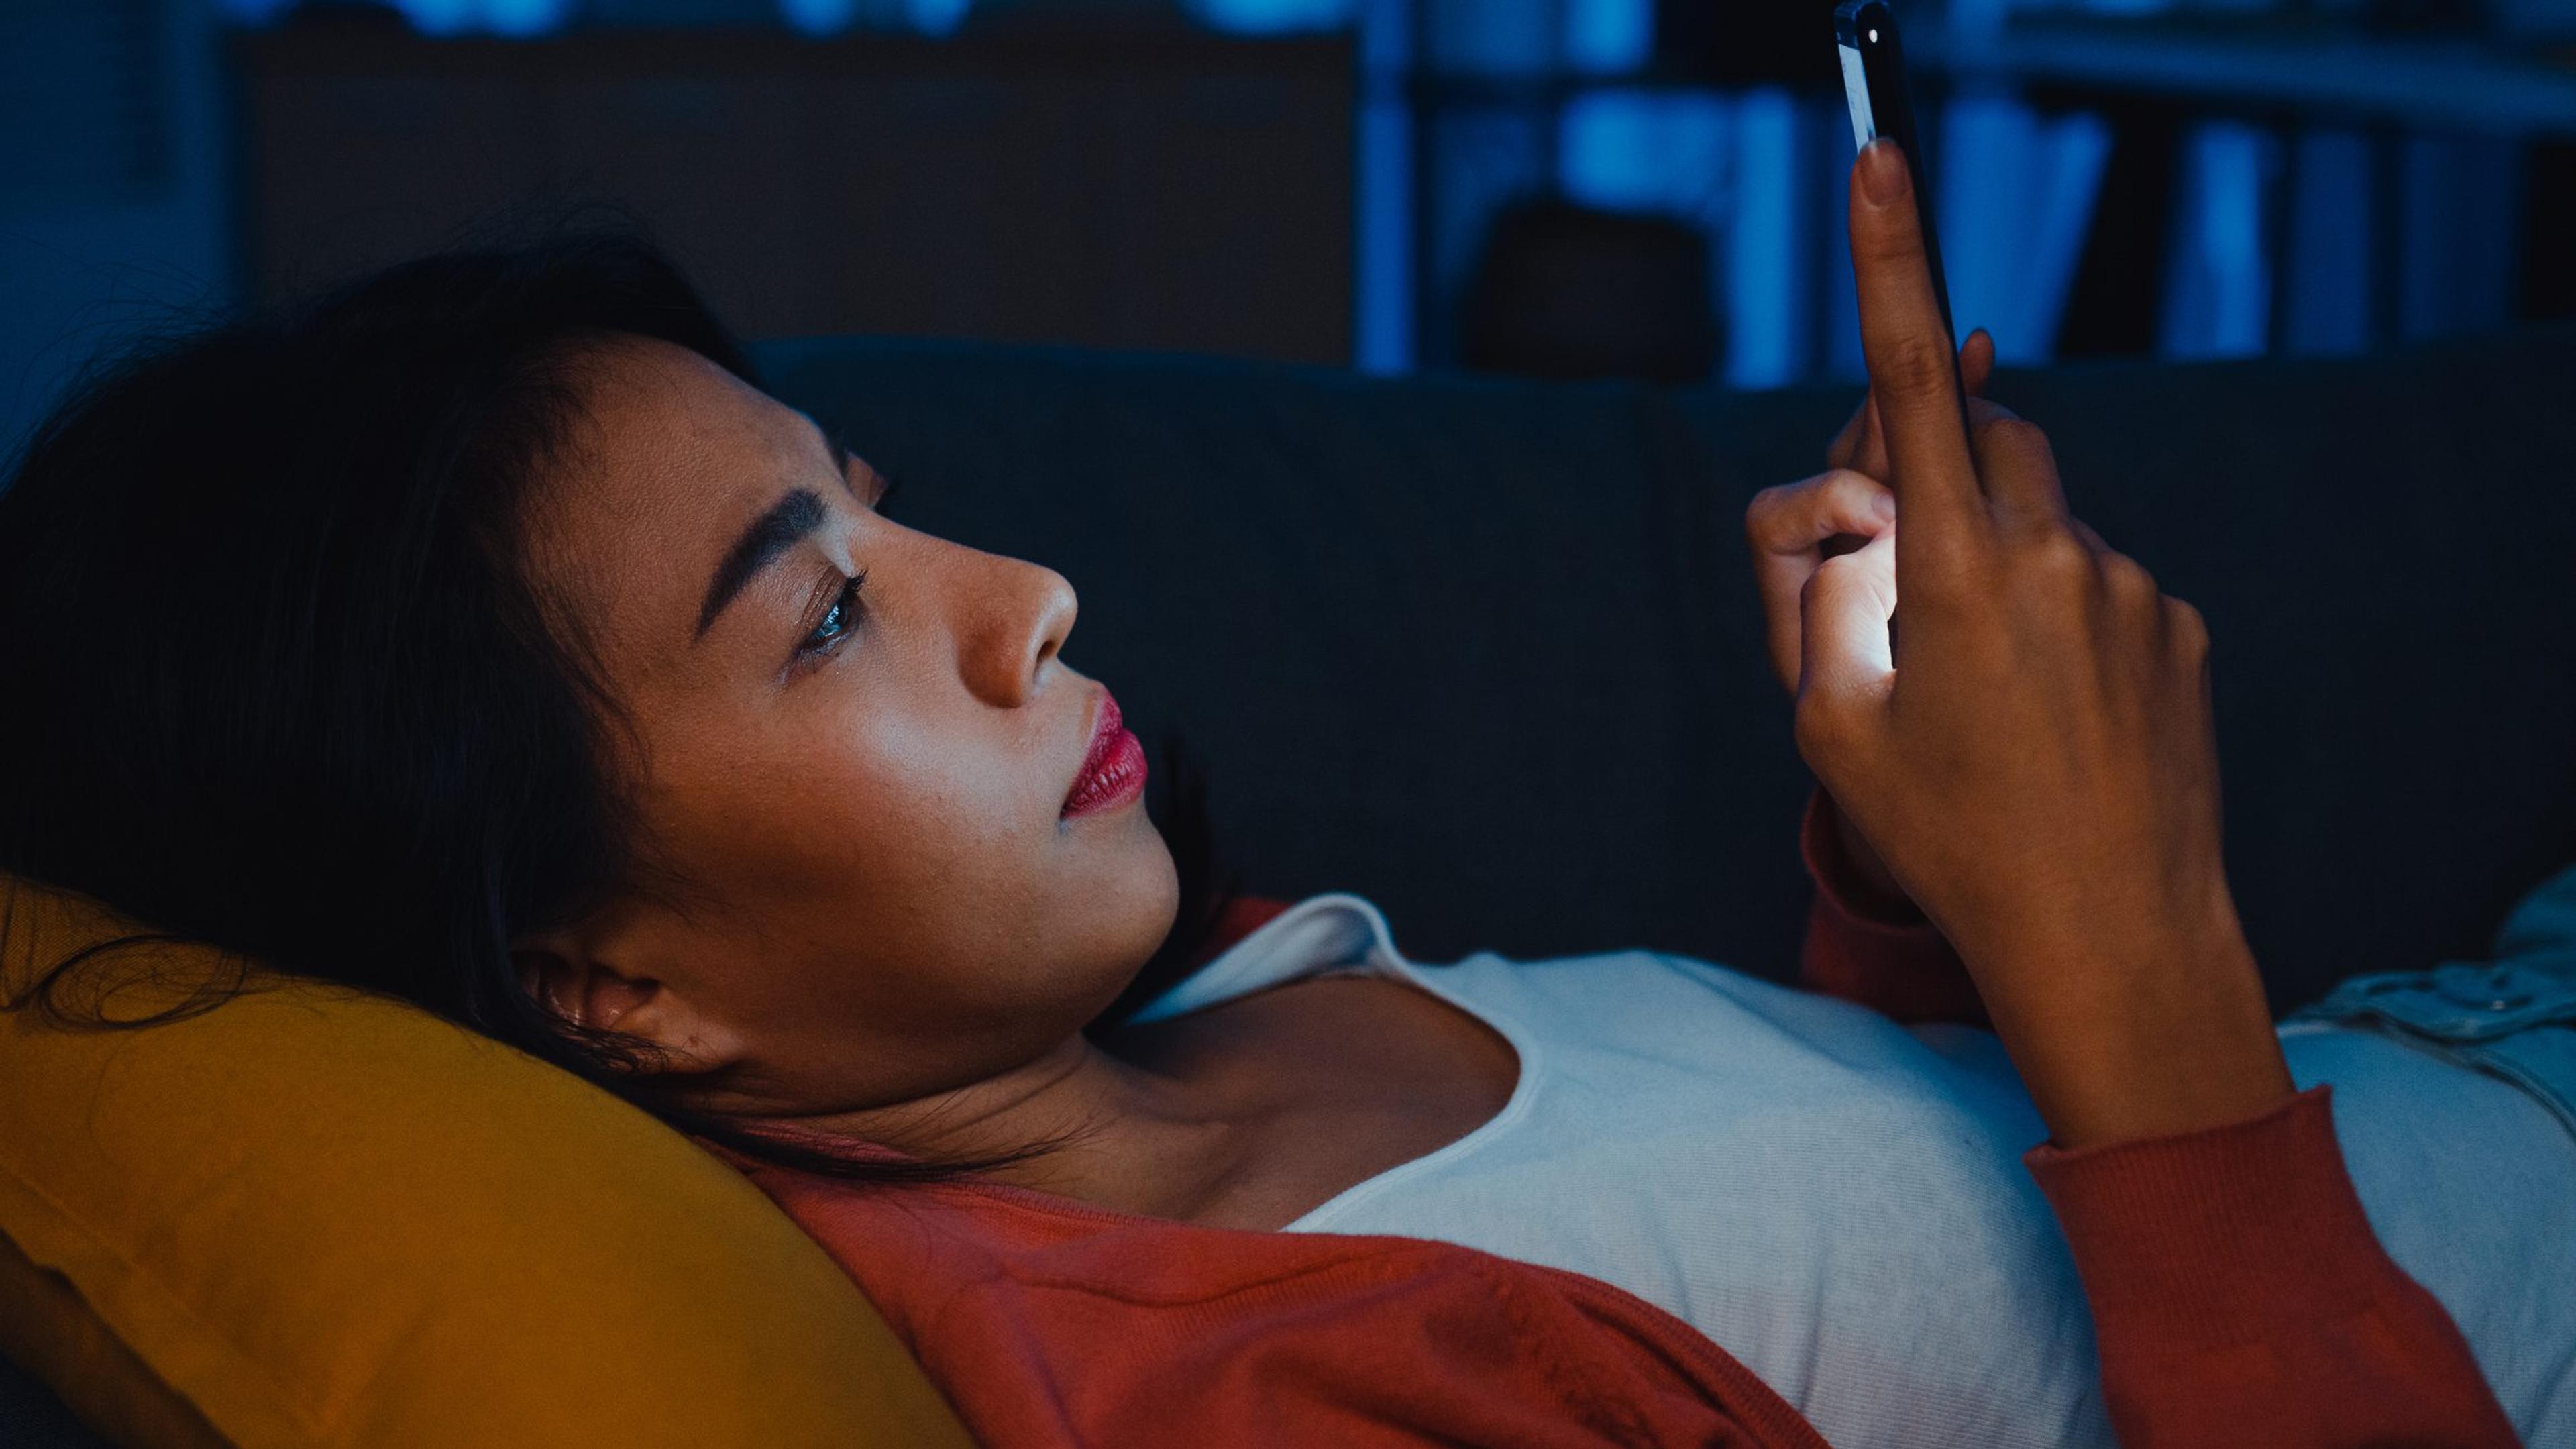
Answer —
1843 612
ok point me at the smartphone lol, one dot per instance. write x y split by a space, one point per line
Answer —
1874 87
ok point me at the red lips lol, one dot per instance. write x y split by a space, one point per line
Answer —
1113 770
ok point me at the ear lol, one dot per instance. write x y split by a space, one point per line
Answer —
572 977
580 991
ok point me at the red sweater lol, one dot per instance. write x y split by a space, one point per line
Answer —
2238 1293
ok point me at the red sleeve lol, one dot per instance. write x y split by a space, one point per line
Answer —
1240 917
2240 1297
1899 966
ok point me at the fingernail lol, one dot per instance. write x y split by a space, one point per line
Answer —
1884 505
1882 173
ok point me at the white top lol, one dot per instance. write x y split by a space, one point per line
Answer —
1839 1201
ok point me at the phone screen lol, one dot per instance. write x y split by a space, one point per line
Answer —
1874 87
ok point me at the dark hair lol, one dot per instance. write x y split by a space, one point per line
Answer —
281 682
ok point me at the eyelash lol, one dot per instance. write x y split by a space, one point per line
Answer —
845 607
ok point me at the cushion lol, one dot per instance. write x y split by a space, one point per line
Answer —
312 1216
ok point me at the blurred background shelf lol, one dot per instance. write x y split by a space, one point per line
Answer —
2306 68
1640 188
2182 183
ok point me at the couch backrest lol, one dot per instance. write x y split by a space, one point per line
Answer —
1488 652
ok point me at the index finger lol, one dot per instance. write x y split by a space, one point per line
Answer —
1911 377
1857 446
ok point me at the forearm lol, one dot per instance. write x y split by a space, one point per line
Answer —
2149 1026
2239 1295
2146 1029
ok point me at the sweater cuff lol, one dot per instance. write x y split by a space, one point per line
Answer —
1820 849
1903 968
2218 1236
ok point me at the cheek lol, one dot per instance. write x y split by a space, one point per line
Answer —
883 860
828 811
857 894
931 894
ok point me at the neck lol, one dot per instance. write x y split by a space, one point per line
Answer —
1136 1138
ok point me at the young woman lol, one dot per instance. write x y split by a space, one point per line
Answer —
483 628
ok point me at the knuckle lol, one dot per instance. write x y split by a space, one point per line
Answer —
1771 513
1758 512
1912 365
1896 238
1828 576
2129 579
1983 411
2190 629
2013 437
1833 575
2058 558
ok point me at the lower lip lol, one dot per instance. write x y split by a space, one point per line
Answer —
1119 780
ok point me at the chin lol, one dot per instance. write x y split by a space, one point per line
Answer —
1127 921
1156 896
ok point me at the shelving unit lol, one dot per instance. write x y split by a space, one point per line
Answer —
2183 186
2411 83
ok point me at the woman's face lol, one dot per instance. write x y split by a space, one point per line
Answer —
859 796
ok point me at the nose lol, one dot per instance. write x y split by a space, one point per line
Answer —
1018 616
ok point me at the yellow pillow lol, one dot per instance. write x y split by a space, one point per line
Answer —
315 1217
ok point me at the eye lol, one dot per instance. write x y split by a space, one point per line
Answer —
837 621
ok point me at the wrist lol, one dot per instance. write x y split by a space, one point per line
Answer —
2162 1036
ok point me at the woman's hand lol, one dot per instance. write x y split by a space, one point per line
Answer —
1862 443
1795 527
2025 736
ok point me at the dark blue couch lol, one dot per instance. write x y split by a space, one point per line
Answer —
1385 611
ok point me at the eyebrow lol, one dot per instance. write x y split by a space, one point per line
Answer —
789 521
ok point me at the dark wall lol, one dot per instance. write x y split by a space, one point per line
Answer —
1164 190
